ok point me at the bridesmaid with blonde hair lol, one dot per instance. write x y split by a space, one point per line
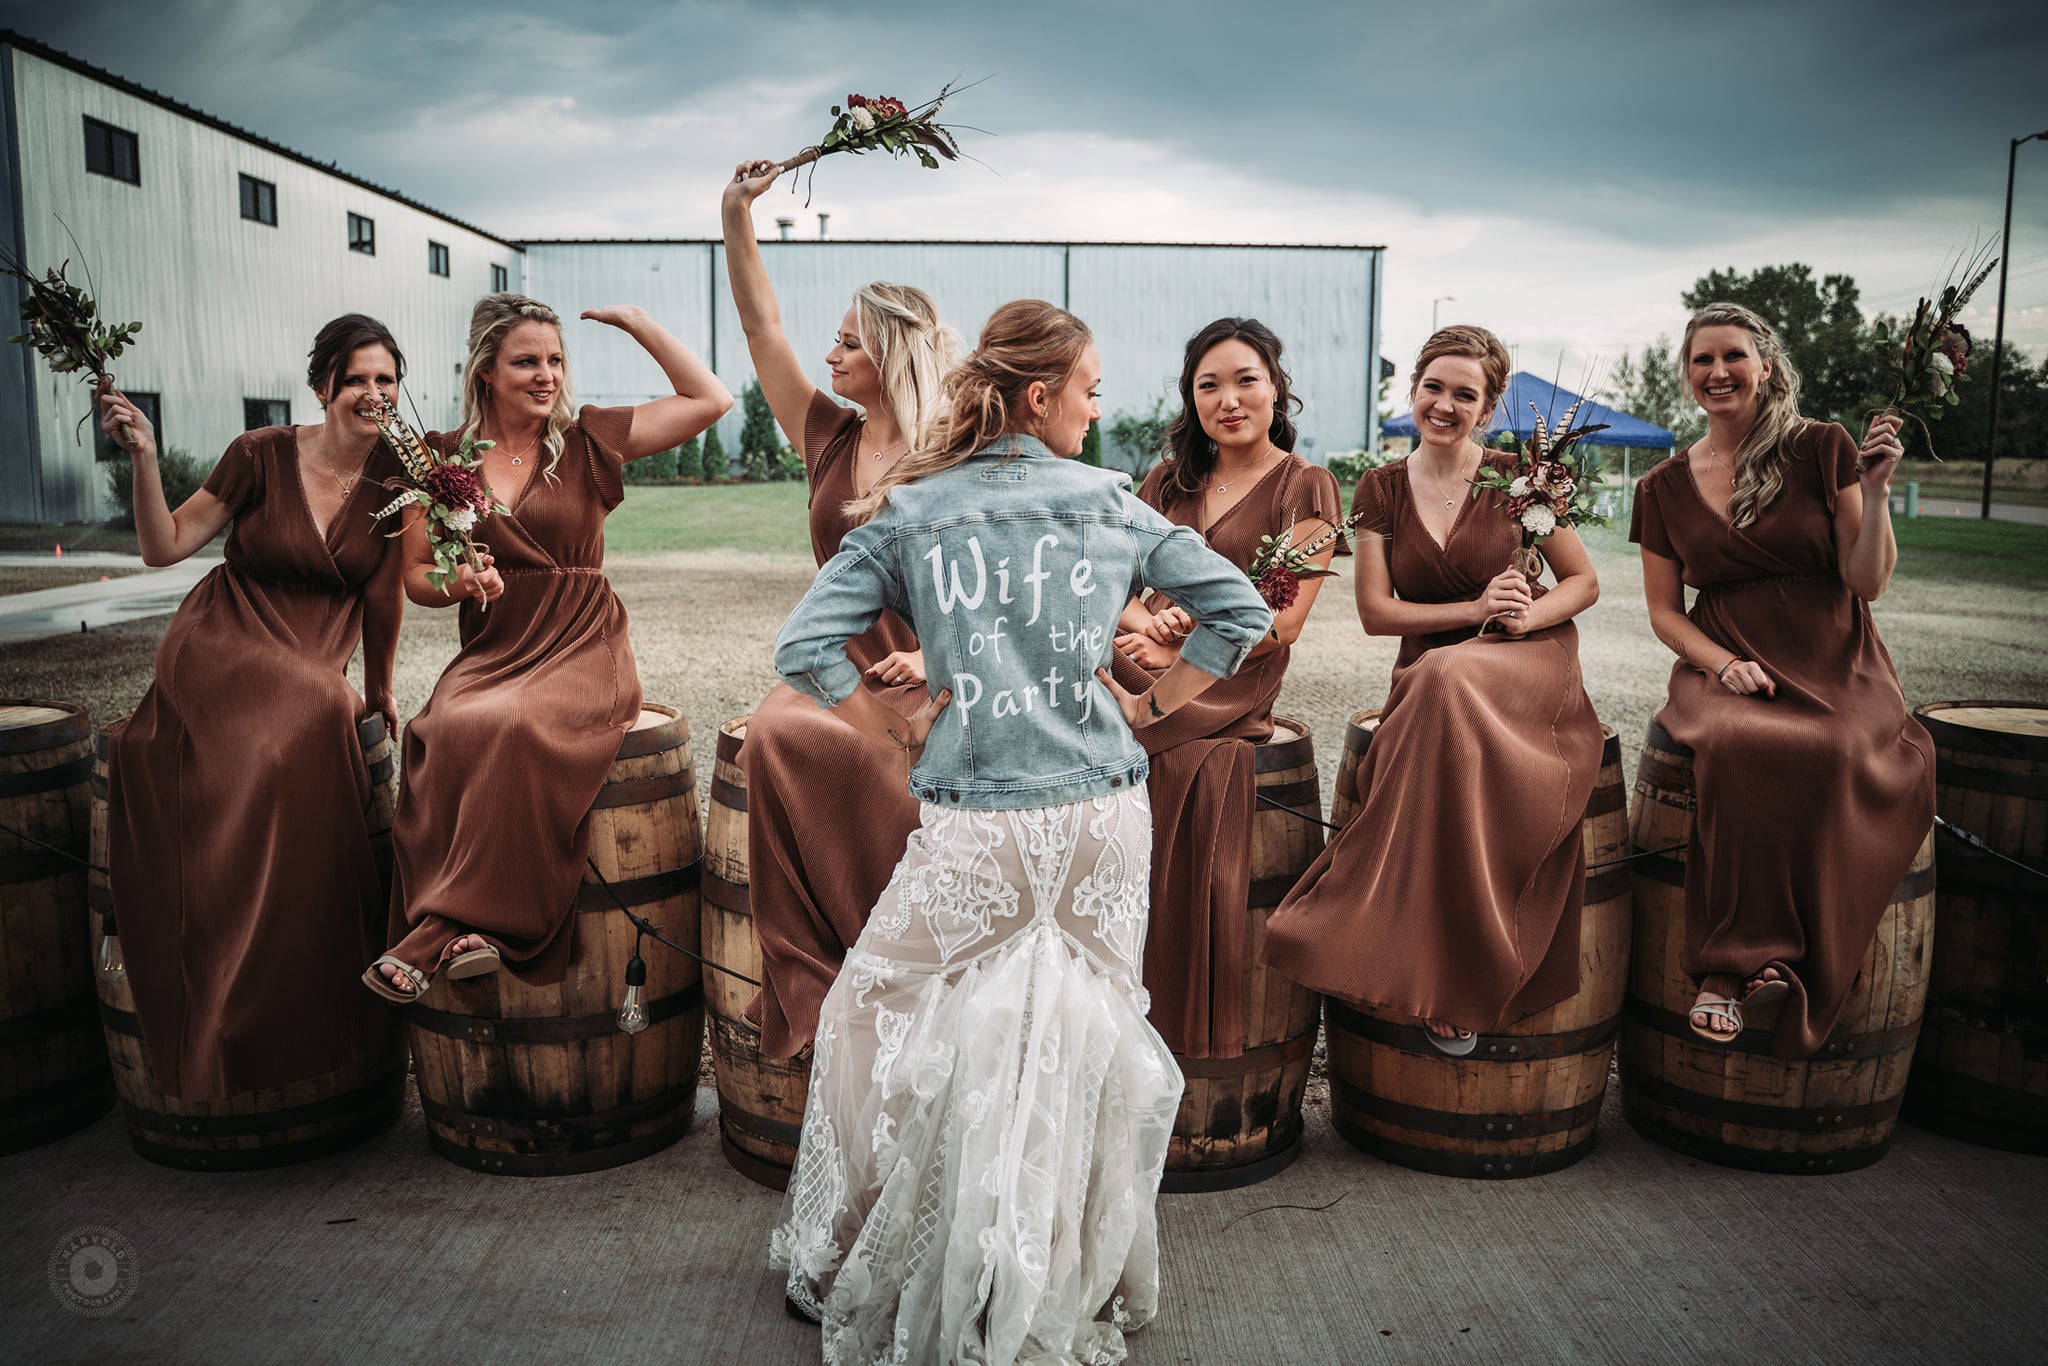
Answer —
503 762
1815 784
813 870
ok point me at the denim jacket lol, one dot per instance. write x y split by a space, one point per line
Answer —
1013 567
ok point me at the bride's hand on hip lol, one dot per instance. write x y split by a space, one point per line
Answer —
904 666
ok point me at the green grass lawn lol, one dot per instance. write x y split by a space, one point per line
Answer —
1959 550
769 519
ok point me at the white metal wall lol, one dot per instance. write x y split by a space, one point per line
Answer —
229 307
1142 302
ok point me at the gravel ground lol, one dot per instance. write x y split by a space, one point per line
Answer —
703 624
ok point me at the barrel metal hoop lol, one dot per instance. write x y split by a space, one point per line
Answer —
1264 1058
671 734
381 771
1753 1159
546 1029
1498 1128
1295 753
33 780
1947 734
80 1012
1607 885
738 1123
1268 892
370 1097
1762 1043
573 1162
34 866
1968 872
637 891
1751 1114
554 1129
1964 778
1480 1167
640 791
1490 1048
728 794
1305 797
727 896
48 735
124 1022
1606 800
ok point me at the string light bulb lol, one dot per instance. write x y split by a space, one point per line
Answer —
633 1010
113 963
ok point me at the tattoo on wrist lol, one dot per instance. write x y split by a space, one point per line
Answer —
1153 703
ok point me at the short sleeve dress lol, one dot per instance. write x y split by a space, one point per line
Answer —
503 762
1455 892
238 835
827 817
1202 783
1812 804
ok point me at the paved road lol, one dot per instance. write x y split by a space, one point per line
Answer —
2000 512
84 606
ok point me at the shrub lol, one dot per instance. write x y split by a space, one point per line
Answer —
1350 466
789 465
659 468
1091 445
715 464
1139 439
690 460
760 438
182 476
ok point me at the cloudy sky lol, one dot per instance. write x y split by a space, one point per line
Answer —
1562 169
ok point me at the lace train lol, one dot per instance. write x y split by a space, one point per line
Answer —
989 1109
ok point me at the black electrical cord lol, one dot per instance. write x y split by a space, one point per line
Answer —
653 931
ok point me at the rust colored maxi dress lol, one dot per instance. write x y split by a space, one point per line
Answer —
1455 892
827 814
503 762
1812 804
1202 784
238 844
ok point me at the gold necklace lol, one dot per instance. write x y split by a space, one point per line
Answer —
347 483
1448 502
1223 485
531 447
881 451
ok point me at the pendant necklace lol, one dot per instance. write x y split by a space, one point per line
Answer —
1223 485
531 446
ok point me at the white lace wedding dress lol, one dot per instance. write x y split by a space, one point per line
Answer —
989 1109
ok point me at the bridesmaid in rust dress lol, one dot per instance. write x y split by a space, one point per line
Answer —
502 764
1454 894
827 823
1233 477
238 839
1815 785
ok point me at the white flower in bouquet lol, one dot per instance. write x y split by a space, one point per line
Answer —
461 521
1539 520
861 118
1520 488
1941 373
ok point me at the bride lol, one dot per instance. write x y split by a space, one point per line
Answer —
989 1109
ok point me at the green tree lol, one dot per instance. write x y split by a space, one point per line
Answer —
1963 432
690 460
182 477
760 438
1653 388
1091 445
715 464
1139 439
1822 327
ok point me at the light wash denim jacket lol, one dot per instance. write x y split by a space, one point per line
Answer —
1013 567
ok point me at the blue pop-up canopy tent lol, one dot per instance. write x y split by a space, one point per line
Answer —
1524 389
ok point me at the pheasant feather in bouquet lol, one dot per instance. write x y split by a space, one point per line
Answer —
449 490
1933 355
1550 485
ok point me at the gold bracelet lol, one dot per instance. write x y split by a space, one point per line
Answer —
1732 660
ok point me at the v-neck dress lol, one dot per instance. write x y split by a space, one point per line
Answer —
238 840
1454 894
828 813
1202 783
503 762
1812 804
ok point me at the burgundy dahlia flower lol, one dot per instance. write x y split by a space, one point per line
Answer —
455 486
1278 586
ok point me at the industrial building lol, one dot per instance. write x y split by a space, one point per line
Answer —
232 251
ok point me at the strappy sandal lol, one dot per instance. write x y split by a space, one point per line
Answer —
1458 1047
1767 990
1716 1005
375 980
474 963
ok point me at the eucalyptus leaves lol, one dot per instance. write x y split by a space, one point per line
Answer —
64 325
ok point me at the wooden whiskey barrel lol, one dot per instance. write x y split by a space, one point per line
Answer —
1344 802
53 1064
760 1099
1738 1104
1240 1118
250 1130
540 1081
1527 1099
1980 1072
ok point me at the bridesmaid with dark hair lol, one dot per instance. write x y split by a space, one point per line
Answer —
1815 784
1454 894
238 837
1234 477
813 874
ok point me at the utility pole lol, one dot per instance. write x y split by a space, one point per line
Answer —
2012 156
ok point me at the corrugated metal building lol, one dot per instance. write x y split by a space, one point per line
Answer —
233 250
1143 300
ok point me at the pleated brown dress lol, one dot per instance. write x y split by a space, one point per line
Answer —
1812 804
237 840
1454 894
503 762
1202 784
828 810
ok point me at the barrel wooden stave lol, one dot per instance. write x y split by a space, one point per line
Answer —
1738 1104
1240 1118
251 1130
54 1077
760 1099
539 1081
1527 1099
1980 1072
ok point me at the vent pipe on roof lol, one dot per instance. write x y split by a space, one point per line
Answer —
823 235
788 225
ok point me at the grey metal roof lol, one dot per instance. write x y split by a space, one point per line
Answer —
930 242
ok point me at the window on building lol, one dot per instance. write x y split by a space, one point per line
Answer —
500 280
362 234
259 200
437 258
265 412
111 151
103 447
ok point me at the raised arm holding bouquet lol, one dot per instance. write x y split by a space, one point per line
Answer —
883 123
1933 355
64 327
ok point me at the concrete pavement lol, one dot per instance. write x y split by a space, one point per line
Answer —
64 611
